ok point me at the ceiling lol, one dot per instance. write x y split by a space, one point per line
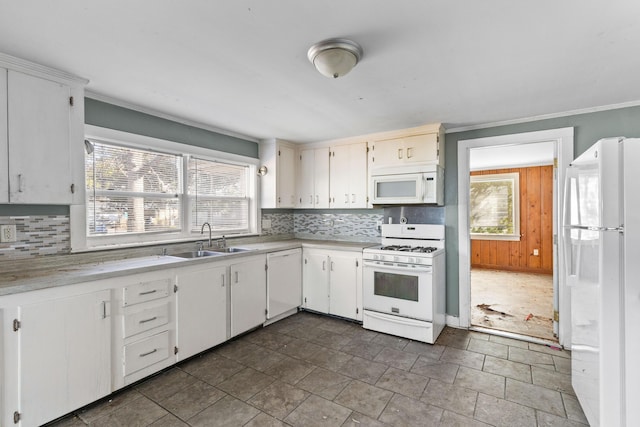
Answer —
241 65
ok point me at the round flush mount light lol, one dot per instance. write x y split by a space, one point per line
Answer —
334 58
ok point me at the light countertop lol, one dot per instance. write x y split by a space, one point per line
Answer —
68 270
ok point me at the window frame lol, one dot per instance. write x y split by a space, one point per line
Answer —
81 241
515 177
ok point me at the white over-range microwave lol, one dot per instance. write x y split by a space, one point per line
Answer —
403 185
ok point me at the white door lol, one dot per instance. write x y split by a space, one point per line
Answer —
358 176
4 144
321 174
248 295
286 177
284 282
339 175
343 281
315 281
202 309
65 355
421 148
307 179
39 140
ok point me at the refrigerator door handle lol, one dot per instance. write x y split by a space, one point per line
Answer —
595 228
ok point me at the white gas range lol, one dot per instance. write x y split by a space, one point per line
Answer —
404 282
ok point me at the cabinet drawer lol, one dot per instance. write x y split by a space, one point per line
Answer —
146 352
143 320
145 291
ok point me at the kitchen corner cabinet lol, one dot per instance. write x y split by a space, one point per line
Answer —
57 357
409 150
278 185
202 308
348 176
248 294
313 171
41 128
332 282
284 282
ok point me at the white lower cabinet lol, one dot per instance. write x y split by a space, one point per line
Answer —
144 325
57 357
248 291
202 308
332 282
284 282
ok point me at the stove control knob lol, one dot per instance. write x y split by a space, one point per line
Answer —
395 259
411 260
418 261
376 257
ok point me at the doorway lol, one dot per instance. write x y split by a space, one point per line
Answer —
510 219
501 272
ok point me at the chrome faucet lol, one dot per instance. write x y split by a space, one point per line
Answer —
202 231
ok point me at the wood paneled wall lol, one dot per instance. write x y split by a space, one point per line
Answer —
536 227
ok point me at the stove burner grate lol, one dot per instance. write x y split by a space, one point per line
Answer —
406 248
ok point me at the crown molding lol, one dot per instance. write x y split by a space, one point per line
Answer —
545 117
28 67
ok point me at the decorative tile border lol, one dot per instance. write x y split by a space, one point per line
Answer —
281 223
37 235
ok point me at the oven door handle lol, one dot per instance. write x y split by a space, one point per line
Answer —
396 266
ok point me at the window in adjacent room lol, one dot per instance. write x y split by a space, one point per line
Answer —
494 202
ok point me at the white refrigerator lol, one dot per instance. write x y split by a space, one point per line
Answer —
602 251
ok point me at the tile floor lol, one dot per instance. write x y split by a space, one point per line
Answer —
310 370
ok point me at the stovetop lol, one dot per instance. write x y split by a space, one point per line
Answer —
409 248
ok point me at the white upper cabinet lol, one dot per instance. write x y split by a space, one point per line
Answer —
412 148
42 128
348 176
313 178
4 143
278 184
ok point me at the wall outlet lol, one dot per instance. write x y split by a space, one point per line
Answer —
266 224
536 252
7 233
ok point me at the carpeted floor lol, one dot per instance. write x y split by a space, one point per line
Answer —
514 302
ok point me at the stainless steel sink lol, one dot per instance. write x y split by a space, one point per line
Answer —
196 254
230 250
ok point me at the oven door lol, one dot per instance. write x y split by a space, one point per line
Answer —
398 289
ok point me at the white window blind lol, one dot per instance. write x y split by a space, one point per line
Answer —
132 190
494 204
219 195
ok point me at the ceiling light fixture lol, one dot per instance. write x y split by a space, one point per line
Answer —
335 57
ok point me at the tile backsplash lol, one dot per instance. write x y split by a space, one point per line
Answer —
44 235
36 235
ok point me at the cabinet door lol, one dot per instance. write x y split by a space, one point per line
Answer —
307 179
284 282
4 147
388 152
202 309
342 285
39 140
315 281
286 177
65 355
339 174
321 175
248 295
421 148
358 177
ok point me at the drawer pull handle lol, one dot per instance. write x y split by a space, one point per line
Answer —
148 292
149 352
149 320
